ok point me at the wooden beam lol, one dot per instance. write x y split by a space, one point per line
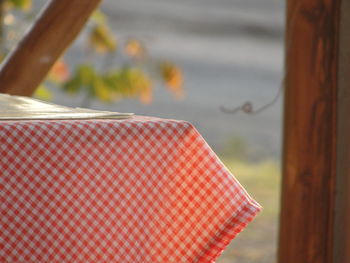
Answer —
310 132
56 27
342 209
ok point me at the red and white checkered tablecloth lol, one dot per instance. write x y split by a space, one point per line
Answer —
138 190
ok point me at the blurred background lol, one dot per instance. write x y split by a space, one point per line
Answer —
184 60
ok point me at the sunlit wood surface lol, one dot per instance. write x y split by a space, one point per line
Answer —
310 132
342 209
57 26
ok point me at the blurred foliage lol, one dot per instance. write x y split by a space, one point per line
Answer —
101 39
125 82
135 77
19 4
173 78
135 49
43 93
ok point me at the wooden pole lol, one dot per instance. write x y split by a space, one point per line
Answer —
342 209
56 27
310 132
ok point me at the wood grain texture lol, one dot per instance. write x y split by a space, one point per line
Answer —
309 161
342 209
56 27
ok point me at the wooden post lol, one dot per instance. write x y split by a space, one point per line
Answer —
342 208
56 27
311 139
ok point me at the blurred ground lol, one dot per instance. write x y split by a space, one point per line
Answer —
258 242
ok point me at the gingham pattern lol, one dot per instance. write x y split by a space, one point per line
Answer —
136 190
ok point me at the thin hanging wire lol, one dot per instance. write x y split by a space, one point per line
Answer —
248 107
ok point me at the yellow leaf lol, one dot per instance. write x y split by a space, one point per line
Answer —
101 90
43 93
59 72
98 17
173 78
134 48
130 82
25 5
141 84
102 40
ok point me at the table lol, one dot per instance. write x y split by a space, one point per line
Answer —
136 190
